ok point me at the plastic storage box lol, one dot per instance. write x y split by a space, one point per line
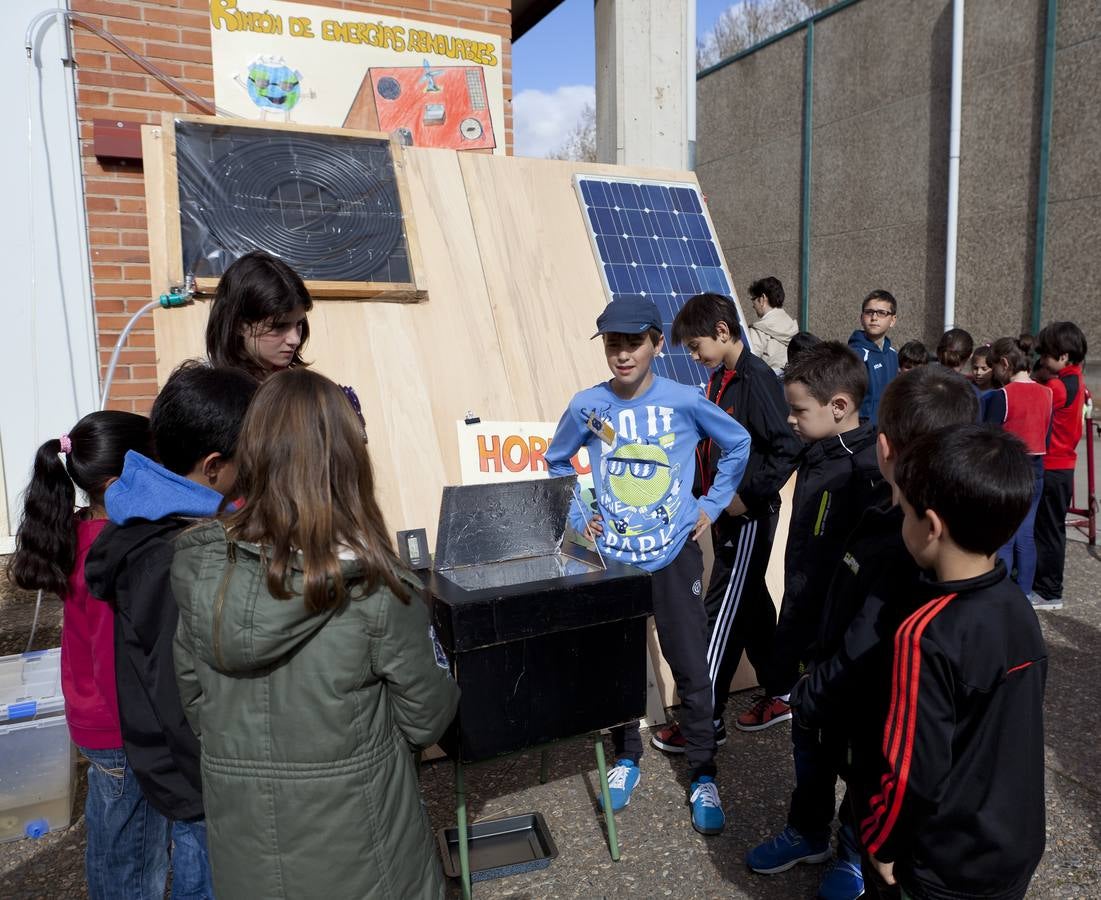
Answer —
36 755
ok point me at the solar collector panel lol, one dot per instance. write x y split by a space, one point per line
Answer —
653 238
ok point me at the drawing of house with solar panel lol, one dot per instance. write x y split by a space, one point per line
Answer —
426 105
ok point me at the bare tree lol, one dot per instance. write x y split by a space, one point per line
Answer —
747 23
580 143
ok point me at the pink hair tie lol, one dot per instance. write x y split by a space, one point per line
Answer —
66 444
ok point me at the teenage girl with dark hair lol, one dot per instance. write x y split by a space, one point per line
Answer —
1024 409
51 547
258 319
307 666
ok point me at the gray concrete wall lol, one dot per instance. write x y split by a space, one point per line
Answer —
882 71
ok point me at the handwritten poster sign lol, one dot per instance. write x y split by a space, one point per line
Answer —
432 85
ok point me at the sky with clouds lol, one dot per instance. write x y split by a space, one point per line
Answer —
554 73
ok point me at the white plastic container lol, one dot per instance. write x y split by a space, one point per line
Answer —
37 758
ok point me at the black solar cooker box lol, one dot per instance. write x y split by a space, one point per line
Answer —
546 640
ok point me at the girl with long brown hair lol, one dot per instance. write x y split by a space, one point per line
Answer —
307 665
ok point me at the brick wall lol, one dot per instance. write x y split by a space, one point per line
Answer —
175 36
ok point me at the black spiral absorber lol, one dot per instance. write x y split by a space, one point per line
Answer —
326 205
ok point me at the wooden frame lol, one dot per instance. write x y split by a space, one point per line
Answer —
163 209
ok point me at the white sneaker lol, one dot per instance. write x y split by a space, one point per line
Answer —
1039 602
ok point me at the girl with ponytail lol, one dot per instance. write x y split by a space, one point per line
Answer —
52 544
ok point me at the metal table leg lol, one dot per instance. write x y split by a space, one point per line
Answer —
460 815
544 766
609 816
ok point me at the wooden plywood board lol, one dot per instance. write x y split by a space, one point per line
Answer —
174 330
544 284
513 295
416 367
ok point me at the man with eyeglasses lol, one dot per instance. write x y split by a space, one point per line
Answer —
871 344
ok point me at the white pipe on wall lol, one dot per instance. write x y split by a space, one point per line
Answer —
690 84
954 167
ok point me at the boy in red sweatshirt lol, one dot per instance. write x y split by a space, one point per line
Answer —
1062 349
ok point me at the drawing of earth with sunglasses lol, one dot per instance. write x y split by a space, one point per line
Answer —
642 489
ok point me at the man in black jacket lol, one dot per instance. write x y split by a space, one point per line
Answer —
960 812
195 422
740 611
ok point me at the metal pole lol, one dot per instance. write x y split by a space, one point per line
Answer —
460 815
1045 158
606 797
954 167
804 243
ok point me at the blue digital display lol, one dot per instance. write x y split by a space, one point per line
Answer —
653 238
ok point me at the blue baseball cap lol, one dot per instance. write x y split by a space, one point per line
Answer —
628 314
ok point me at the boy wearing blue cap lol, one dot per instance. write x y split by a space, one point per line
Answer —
641 431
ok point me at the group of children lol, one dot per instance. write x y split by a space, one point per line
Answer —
247 665
912 665
1033 388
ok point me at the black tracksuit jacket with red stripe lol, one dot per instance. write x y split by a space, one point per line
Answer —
961 805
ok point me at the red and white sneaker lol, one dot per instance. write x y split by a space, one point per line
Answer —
671 740
767 711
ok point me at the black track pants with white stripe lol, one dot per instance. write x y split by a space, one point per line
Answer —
682 629
740 612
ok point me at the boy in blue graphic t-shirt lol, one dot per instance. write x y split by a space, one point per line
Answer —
641 431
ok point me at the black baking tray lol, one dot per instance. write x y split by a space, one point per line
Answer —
499 847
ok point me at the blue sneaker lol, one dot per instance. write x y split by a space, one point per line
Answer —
707 812
622 779
843 881
785 850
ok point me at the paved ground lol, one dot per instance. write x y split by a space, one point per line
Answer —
661 854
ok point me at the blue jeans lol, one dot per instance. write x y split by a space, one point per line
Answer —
127 853
1020 550
128 840
190 862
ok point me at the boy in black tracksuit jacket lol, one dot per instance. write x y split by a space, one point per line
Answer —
844 698
838 479
960 812
740 612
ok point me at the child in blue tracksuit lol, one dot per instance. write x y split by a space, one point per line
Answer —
878 313
641 431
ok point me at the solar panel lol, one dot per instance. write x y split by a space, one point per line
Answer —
653 238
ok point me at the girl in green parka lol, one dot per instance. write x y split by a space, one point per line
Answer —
307 666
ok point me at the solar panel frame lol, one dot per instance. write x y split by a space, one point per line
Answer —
655 238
